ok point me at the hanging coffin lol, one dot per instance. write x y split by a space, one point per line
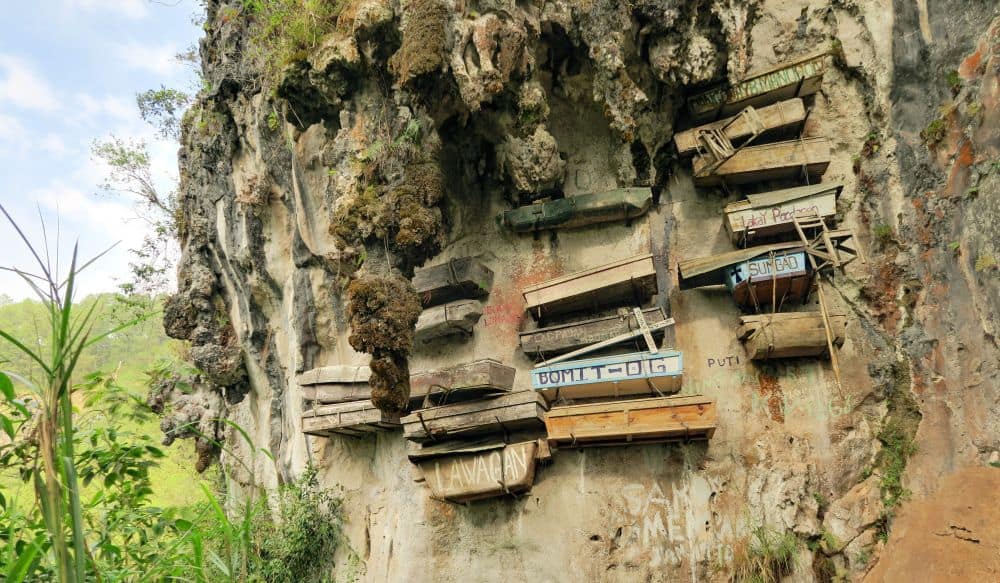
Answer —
462 382
748 273
567 337
462 471
510 412
656 420
797 78
767 162
780 117
631 280
456 317
357 418
639 373
789 334
336 384
770 214
461 278
580 210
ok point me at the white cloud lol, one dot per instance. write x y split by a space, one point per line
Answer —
131 9
90 107
159 60
23 87
100 220
12 133
53 144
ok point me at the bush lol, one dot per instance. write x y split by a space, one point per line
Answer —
765 555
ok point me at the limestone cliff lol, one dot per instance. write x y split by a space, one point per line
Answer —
313 185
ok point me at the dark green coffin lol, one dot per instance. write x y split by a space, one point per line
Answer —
581 210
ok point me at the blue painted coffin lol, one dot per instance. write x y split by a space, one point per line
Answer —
759 269
637 373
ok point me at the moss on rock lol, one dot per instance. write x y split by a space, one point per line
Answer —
424 39
383 312
390 382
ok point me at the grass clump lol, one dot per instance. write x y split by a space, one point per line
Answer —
765 555
883 233
285 31
935 131
985 262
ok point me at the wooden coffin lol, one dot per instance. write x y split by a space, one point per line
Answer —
631 280
783 116
751 281
768 162
797 78
464 472
510 412
655 420
462 382
456 317
770 214
462 278
581 210
789 334
336 384
566 337
356 419
637 373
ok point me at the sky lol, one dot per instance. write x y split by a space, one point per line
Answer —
69 73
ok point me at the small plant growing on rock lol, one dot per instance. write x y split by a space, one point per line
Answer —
954 81
765 555
985 262
883 234
934 132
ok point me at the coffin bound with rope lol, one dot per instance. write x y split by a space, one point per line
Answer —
464 471
779 160
456 317
638 373
789 334
796 78
785 116
357 418
462 382
751 274
461 278
336 384
655 420
628 281
515 411
580 210
770 214
566 337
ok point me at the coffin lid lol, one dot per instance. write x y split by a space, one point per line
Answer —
762 72
777 197
592 270
710 270
631 405
339 374
465 446
620 316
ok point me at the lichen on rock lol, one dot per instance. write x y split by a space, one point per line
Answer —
532 164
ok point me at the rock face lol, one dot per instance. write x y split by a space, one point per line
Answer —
396 138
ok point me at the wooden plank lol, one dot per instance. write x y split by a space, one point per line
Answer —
631 280
786 335
487 474
354 419
644 330
581 210
639 420
336 392
768 162
510 412
339 373
335 384
456 317
639 373
460 382
568 337
796 78
782 116
460 278
770 214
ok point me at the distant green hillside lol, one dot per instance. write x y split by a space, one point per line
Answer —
127 354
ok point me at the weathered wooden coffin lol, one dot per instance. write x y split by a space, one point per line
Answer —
462 382
789 334
356 418
336 384
637 373
580 210
631 280
509 412
456 317
783 116
566 337
747 273
461 278
770 214
768 162
655 420
464 472
797 78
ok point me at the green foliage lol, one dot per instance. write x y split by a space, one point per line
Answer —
995 464
954 81
163 108
285 31
765 555
822 501
897 446
955 247
883 233
985 262
935 131
272 121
